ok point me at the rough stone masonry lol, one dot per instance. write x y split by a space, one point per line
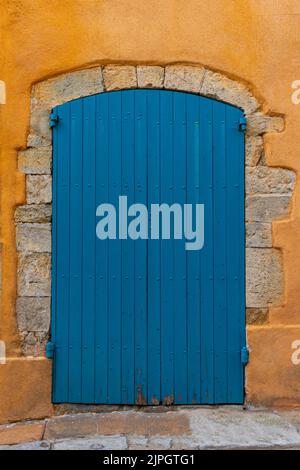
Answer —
268 190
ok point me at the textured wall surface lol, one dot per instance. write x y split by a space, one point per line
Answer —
255 43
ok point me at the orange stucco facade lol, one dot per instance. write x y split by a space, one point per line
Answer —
253 41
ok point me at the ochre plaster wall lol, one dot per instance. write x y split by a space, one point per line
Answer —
256 41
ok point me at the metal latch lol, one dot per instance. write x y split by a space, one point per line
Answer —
50 348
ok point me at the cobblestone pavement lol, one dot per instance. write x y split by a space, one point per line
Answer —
155 429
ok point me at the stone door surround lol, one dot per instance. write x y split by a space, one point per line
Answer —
268 190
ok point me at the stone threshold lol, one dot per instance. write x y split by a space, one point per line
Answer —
223 427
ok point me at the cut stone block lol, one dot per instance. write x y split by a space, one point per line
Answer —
33 313
34 274
39 189
34 237
264 277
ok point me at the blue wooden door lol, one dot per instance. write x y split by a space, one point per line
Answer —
146 321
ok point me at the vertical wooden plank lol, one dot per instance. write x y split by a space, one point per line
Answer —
179 252
154 255
207 254
235 250
88 241
114 249
141 249
128 247
63 256
102 260
220 255
76 248
193 257
167 253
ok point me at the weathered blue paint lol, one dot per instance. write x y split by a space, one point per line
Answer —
147 321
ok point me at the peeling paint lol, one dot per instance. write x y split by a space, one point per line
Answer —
2 352
168 400
2 92
155 401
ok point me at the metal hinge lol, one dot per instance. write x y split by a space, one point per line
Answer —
50 348
242 124
53 119
244 355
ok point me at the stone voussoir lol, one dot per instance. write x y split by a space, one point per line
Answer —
56 91
150 76
117 77
222 88
67 87
184 77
